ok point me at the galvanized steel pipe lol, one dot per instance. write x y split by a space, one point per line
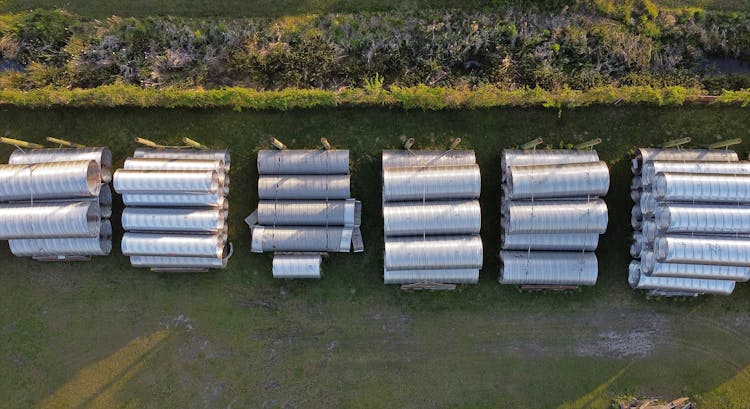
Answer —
557 181
173 220
431 183
177 164
515 157
702 187
303 162
640 281
555 217
672 154
456 276
432 218
704 218
306 212
56 180
296 266
433 253
719 250
190 154
315 239
301 187
162 244
165 181
404 158
650 169
174 199
550 241
49 220
100 245
178 262
548 268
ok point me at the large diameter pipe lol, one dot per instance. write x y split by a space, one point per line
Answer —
303 187
175 199
303 239
556 181
516 157
719 250
684 155
303 162
651 267
431 183
100 245
296 266
177 164
404 158
177 262
56 180
691 218
49 220
306 212
173 220
433 253
550 241
548 268
455 276
579 216
102 156
678 187
650 169
189 154
640 281
166 181
432 218
180 245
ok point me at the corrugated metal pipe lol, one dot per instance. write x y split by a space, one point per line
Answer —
408 158
431 183
307 212
685 187
454 276
296 266
301 239
49 220
303 162
56 180
433 252
640 281
557 181
303 187
514 157
568 216
189 154
432 218
548 268
165 181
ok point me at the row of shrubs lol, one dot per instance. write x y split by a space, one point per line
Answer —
417 97
586 45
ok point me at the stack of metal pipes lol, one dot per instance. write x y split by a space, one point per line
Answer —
552 216
691 221
56 203
431 217
305 210
176 209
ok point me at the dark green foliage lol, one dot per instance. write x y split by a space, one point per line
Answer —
585 45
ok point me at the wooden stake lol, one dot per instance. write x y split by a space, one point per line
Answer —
676 143
194 144
148 143
327 145
63 142
277 144
532 144
20 143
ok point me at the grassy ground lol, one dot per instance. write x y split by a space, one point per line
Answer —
240 8
102 334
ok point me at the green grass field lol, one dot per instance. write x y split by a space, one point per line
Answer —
102 334
240 8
